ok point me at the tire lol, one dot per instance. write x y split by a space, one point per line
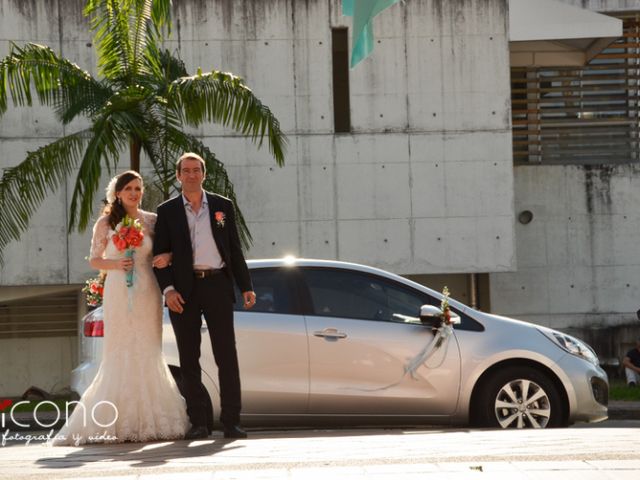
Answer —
519 397
177 376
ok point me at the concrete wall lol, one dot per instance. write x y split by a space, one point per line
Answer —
424 183
427 117
578 261
45 255
579 258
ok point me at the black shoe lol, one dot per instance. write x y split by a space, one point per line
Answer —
196 432
234 431
632 384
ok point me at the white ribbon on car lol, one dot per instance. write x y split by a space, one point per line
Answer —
443 332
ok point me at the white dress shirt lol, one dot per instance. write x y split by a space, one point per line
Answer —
205 251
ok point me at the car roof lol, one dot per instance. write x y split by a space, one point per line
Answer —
337 264
313 262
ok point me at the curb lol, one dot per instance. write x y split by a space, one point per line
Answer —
622 410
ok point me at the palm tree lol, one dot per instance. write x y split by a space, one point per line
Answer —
141 101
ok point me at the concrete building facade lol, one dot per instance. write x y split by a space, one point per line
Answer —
578 260
422 184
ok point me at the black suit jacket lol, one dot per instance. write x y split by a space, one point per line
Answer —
172 235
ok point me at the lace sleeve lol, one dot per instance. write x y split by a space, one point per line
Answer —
150 223
100 238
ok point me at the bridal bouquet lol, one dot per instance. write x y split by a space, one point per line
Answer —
94 290
127 238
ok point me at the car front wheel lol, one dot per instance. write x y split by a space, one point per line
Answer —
520 397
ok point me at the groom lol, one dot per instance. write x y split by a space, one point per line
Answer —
199 230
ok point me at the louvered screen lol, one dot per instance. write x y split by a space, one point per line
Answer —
50 316
585 115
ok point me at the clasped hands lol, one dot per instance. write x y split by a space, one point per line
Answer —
159 261
175 301
162 260
173 298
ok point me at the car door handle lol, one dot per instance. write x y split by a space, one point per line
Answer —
330 333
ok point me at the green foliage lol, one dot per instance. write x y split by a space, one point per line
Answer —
25 186
618 390
141 102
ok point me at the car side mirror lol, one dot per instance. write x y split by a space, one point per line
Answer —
433 316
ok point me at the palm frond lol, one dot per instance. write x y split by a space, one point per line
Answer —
123 32
223 98
152 16
107 141
127 110
164 179
57 82
24 187
139 32
145 98
109 20
173 66
161 16
165 67
155 148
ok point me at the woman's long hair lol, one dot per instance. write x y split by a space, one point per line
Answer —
114 208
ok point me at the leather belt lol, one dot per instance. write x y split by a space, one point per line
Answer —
207 273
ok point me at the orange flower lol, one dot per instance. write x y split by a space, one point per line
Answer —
220 217
94 290
129 235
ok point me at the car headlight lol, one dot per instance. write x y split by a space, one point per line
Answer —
572 345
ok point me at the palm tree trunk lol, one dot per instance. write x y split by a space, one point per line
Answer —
135 146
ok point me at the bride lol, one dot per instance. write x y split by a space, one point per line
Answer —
133 397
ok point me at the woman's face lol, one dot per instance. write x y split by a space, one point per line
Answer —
131 193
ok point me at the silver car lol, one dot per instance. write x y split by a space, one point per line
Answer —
338 343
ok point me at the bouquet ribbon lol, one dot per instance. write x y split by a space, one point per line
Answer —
128 253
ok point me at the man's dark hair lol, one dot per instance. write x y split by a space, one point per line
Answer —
190 156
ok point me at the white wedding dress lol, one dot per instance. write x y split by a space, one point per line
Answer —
133 396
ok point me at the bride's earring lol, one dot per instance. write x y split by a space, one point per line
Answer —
119 201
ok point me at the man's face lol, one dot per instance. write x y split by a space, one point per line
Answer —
190 175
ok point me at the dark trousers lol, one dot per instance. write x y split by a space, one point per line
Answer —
211 296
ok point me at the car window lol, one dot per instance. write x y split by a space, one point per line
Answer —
272 291
336 293
359 295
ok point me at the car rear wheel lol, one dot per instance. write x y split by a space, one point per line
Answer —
520 397
177 376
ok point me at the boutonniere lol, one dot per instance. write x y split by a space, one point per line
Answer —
220 217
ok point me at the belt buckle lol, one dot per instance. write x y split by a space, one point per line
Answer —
199 273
